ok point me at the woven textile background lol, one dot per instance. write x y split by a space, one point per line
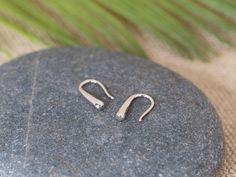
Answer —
216 79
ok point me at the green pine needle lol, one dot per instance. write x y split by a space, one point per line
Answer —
116 24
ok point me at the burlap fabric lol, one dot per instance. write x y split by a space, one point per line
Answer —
217 79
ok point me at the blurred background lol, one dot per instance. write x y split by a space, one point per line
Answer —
195 38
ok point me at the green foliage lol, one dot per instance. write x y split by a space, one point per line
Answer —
182 25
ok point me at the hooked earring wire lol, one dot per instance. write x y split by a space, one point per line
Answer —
92 99
124 108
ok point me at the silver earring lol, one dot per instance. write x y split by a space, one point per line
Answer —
95 101
123 109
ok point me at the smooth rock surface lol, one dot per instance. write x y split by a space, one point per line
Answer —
48 129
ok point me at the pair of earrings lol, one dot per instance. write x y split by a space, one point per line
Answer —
123 109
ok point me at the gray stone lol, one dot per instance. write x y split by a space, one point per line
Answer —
47 128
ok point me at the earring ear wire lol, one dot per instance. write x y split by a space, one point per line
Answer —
92 99
124 108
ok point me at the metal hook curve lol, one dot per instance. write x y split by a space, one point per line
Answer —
95 101
123 109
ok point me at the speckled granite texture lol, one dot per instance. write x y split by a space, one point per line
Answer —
48 129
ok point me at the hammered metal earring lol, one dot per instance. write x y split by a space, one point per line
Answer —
124 108
95 101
